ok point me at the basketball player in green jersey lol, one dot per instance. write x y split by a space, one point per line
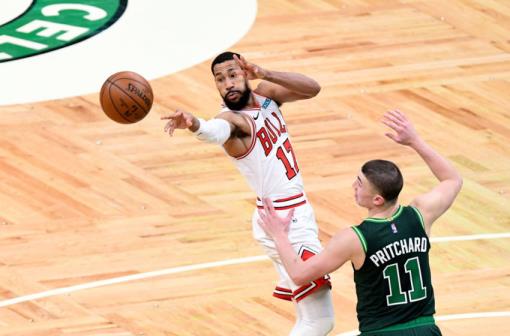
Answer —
389 250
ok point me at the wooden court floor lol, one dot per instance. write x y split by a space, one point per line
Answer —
83 199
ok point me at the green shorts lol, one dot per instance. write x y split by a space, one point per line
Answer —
422 326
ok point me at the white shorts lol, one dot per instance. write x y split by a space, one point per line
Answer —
304 237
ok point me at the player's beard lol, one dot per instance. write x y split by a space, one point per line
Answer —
241 103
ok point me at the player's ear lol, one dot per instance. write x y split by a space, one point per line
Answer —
378 200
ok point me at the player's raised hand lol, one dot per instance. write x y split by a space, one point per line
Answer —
253 71
405 133
178 119
273 224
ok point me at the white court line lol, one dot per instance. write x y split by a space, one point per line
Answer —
449 318
139 276
180 269
471 237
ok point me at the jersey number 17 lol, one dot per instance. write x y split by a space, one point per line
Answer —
281 154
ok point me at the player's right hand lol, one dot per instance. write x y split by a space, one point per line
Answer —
178 119
271 222
252 71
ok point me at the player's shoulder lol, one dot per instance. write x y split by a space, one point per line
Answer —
235 118
266 91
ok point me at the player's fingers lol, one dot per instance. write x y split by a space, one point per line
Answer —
398 116
289 216
391 136
263 225
167 125
400 113
396 112
169 116
391 124
393 119
265 220
239 61
170 127
268 205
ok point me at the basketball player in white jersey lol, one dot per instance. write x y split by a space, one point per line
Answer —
252 131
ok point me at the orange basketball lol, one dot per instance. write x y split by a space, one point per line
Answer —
126 97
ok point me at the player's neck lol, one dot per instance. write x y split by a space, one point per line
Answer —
252 102
385 211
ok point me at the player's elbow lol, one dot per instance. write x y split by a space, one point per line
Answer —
299 280
457 182
460 182
315 88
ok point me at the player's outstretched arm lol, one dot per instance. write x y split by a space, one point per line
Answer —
217 130
342 247
435 202
282 87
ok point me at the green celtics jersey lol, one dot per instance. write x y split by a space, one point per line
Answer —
394 284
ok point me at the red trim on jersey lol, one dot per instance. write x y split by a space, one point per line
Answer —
285 199
284 207
299 294
253 138
290 202
282 293
282 289
286 297
289 198
305 290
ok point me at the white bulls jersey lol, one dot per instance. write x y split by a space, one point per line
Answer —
270 165
271 169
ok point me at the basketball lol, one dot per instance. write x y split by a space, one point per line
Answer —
126 97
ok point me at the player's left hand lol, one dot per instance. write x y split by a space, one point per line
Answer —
273 224
252 71
405 133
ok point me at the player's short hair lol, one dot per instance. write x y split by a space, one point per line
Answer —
223 57
385 177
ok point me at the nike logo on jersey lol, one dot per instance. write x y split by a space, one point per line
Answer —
257 116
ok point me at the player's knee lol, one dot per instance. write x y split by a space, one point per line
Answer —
325 325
